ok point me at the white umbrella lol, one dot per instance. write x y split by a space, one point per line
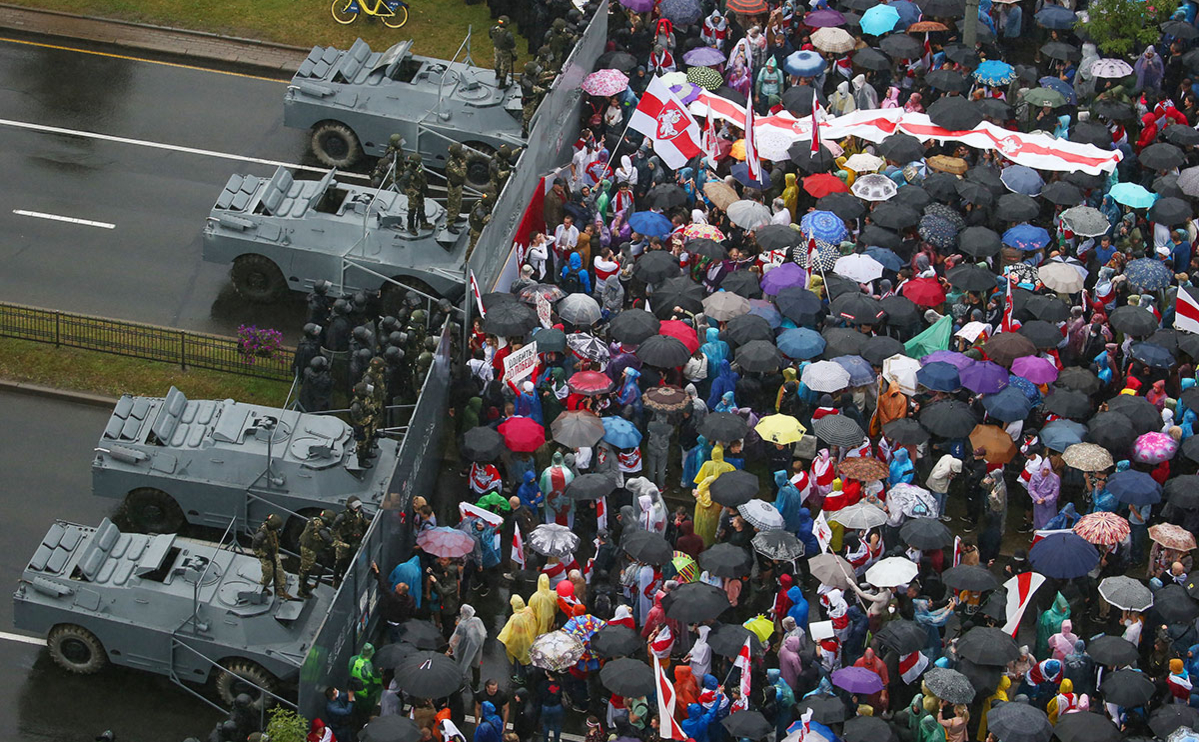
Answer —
858 267
551 539
1086 221
833 40
864 163
748 214
1188 181
874 187
761 515
1061 277
825 376
902 370
579 309
1126 593
911 501
1111 68
860 516
892 572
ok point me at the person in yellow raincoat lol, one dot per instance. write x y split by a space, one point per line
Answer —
544 603
715 466
1000 694
791 195
517 636
707 512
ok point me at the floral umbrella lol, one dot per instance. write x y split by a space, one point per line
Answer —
555 651
1102 529
1172 536
938 231
823 225
696 231
605 82
1154 448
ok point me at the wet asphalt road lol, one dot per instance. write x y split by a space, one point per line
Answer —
147 267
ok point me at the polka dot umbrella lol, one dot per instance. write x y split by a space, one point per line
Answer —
705 77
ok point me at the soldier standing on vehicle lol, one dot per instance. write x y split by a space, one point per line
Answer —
415 189
319 303
266 548
479 216
315 538
316 389
383 176
530 95
455 177
362 418
348 529
505 48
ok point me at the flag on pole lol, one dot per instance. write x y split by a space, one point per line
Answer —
815 125
601 513
1186 312
711 142
957 550
668 727
742 662
751 148
466 510
822 532
1008 324
518 548
474 289
927 58
662 117
809 257
1020 590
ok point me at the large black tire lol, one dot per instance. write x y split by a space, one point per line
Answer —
76 649
257 279
392 296
154 511
242 676
478 169
336 145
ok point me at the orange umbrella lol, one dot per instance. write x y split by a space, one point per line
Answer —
927 26
822 184
995 441
738 150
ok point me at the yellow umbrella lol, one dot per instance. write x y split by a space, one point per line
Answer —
720 194
780 429
998 444
738 150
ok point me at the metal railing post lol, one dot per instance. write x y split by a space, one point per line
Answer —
57 328
183 350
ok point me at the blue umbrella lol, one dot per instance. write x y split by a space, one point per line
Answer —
1061 434
939 376
621 433
909 12
650 223
1056 83
766 311
1022 179
1030 389
1152 354
1063 556
938 231
680 12
1134 487
1149 274
1026 237
1008 404
995 72
1132 195
800 343
1055 16
984 377
741 173
823 225
805 64
888 258
879 20
860 372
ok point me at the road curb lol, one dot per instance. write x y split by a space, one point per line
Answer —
63 395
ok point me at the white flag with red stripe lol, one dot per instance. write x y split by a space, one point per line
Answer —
466 510
667 122
668 727
601 513
815 125
911 665
957 550
474 289
751 148
1020 590
822 531
1008 307
711 143
518 548
1186 312
743 662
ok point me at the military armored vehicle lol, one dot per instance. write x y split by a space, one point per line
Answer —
177 461
189 609
281 233
354 100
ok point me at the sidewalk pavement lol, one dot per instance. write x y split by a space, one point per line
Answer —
280 59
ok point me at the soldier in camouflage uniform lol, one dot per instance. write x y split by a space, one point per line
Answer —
479 216
376 379
315 539
415 189
266 548
531 93
348 529
423 362
560 41
505 48
362 418
383 176
455 177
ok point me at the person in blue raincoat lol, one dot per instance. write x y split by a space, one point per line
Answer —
799 604
491 727
901 468
787 501
715 350
696 725
725 380
630 394
727 403
811 545
409 573
528 403
530 494
784 698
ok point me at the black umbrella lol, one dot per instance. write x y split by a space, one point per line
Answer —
901 311
903 636
747 725
1165 719
510 319
391 728
1068 403
1185 31
736 96
902 46
734 488
628 678
663 351
1086 180
1086 727
982 678
985 34
900 147
666 196
1127 688
1181 491
1088 132
826 708
742 283
874 235
1061 50
971 278
954 113
390 656
799 305
1168 339
984 645
1062 193
740 330
1135 321
1161 156
867 729
590 487
550 340
975 193
420 634
943 8
969 577
1183 136
1170 210
622 61
925 534
1048 308
1167 185
726 560
1139 411
723 426
776 237
1041 333
1113 109
894 216
912 196
798 100
677 292
1078 379
962 55
857 309
656 266
944 79
633 326
647 547
845 205
727 639
1111 430
1019 722
1173 605
482 444
1016 207
840 341
1187 342
801 154
760 356
839 430
948 418
905 432
996 109
695 602
835 285
870 59
710 248
942 186
615 640
428 675
879 348
1152 355
1113 651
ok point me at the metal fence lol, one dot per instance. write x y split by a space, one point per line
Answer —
136 340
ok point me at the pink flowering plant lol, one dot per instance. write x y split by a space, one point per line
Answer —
254 342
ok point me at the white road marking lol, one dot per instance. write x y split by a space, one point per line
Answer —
68 219
37 641
170 147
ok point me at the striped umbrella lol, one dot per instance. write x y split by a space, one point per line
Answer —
685 567
1102 529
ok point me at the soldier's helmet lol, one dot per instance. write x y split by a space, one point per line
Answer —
419 316
354 503
397 338
322 287
377 363
503 20
360 300
455 149
388 325
444 304
431 343
414 159
312 330
361 334
395 140
360 389
320 363
393 354
425 359
414 299
362 355
242 701
504 151
328 515
274 521
559 24
341 306
530 68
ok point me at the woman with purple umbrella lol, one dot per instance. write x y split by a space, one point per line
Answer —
1043 487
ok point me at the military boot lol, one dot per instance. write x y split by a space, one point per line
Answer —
452 228
282 593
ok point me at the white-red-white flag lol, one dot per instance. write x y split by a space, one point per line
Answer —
822 531
1008 324
751 148
518 548
474 289
601 513
711 143
1020 590
957 550
927 57
911 665
815 124
666 121
668 727
743 662
1186 312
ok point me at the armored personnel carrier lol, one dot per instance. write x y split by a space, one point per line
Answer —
188 609
177 461
354 100
281 233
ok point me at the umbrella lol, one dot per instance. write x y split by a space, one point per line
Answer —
1148 274
1061 277
903 636
748 214
605 82
879 20
428 675
905 432
723 426
634 325
1087 457
864 163
969 577
680 12
858 309
1111 68
1063 555
734 488
577 429
975 193
867 729
1112 431
786 276
1173 604
938 231
954 113
777 544
615 640
590 487
579 309
761 515
979 242
705 77
553 540
798 101
1127 687
892 572
945 79
650 223
1126 593
1019 722
551 340
871 59
840 341
1102 529
984 645
1172 536
1183 491
679 292
413 635
726 560
628 677
804 64
744 283
680 331
1161 156
662 351
833 571
482 444
529 294
838 430
1170 210
1060 50
948 418
1134 487
1132 195
925 534
1035 369
445 542
647 547
863 469
873 187
995 109
620 433
901 311
1041 333
1005 347
390 729
1061 434
522 434
833 40
1135 321
758 356
510 319
900 147
819 186
704 56
994 72
971 278
622 61
556 651
823 18
860 516
720 193
887 258
801 343
825 708
825 376
1016 207
925 292
1086 727
781 429
741 172
995 442
1164 720
949 685
748 724
1022 179
656 266
666 399
727 640
696 602
1154 448
858 680
1026 237
1091 133
895 216
824 225
984 377
879 348
1191 449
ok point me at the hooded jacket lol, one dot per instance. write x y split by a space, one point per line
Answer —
575 265
695 726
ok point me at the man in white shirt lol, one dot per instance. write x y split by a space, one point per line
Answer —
566 239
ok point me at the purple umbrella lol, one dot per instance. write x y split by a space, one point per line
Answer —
984 377
957 360
1036 369
858 680
638 6
686 92
700 56
786 275
825 18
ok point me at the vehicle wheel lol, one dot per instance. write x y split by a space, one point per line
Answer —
398 20
342 12
154 511
76 649
294 527
244 676
258 279
478 169
393 296
336 145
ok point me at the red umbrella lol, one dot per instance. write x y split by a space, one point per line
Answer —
445 542
522 434
822 184
591 383
681 331
748 7
925 292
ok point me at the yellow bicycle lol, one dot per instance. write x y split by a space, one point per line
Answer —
393 13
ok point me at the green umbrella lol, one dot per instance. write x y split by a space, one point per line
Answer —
493 502
1044 97
705 77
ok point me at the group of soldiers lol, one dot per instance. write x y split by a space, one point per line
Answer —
342 532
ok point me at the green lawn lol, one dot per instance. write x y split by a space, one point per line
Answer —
437 26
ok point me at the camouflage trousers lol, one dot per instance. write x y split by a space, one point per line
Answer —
453 203
344 553
307 564
272 571
416 209
527 115
474 237
503 66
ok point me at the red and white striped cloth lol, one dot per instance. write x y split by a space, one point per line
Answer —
911 666
668 726
1020 590
665 120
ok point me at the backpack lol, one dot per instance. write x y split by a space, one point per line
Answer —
570 282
